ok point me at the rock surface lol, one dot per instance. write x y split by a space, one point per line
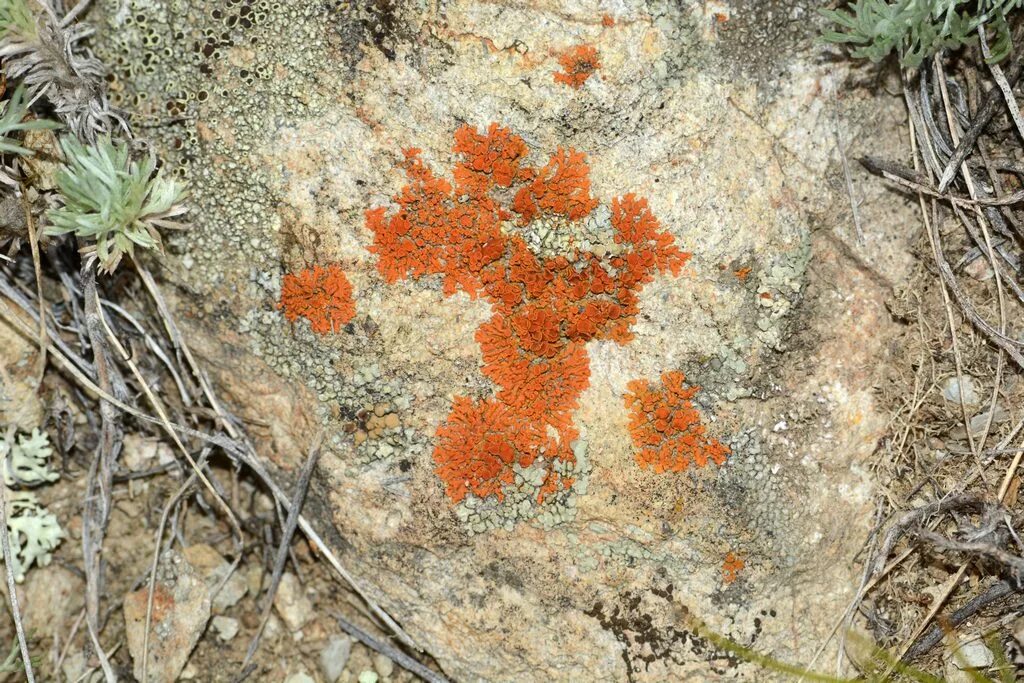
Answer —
214 568
20 405
181 608
291 121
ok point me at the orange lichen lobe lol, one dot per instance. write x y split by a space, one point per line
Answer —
478 448
743 273
561 188
543 309
607 20
322 295
578 64
495 157
666 427
731 567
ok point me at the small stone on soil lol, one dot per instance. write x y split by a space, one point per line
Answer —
181 609
334 657
226 627
384 666
292 604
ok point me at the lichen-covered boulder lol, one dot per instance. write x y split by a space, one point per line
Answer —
540 275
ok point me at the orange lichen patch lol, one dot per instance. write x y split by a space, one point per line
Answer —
163 602
578 63
666 427
562 188
743 273
496 158
607 21
476 449
544 310
321 295
731 567
539 331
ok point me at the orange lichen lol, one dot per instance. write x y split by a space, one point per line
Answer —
483 443
321 295
561 188
607 20
731 566
544 310
578 64
666 427
743 273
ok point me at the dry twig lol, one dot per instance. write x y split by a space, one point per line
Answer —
301 488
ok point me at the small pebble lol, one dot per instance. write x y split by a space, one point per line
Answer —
334 657
273 628
972 655
292 602
226 627
952 390
384 666
369 676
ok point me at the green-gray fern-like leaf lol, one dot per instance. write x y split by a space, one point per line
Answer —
111 201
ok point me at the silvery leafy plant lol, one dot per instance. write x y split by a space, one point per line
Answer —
46 54
112 202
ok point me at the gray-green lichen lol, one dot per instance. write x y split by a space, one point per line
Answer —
525 501
357 404
549 237
33 531
210 82
778 291
756 488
